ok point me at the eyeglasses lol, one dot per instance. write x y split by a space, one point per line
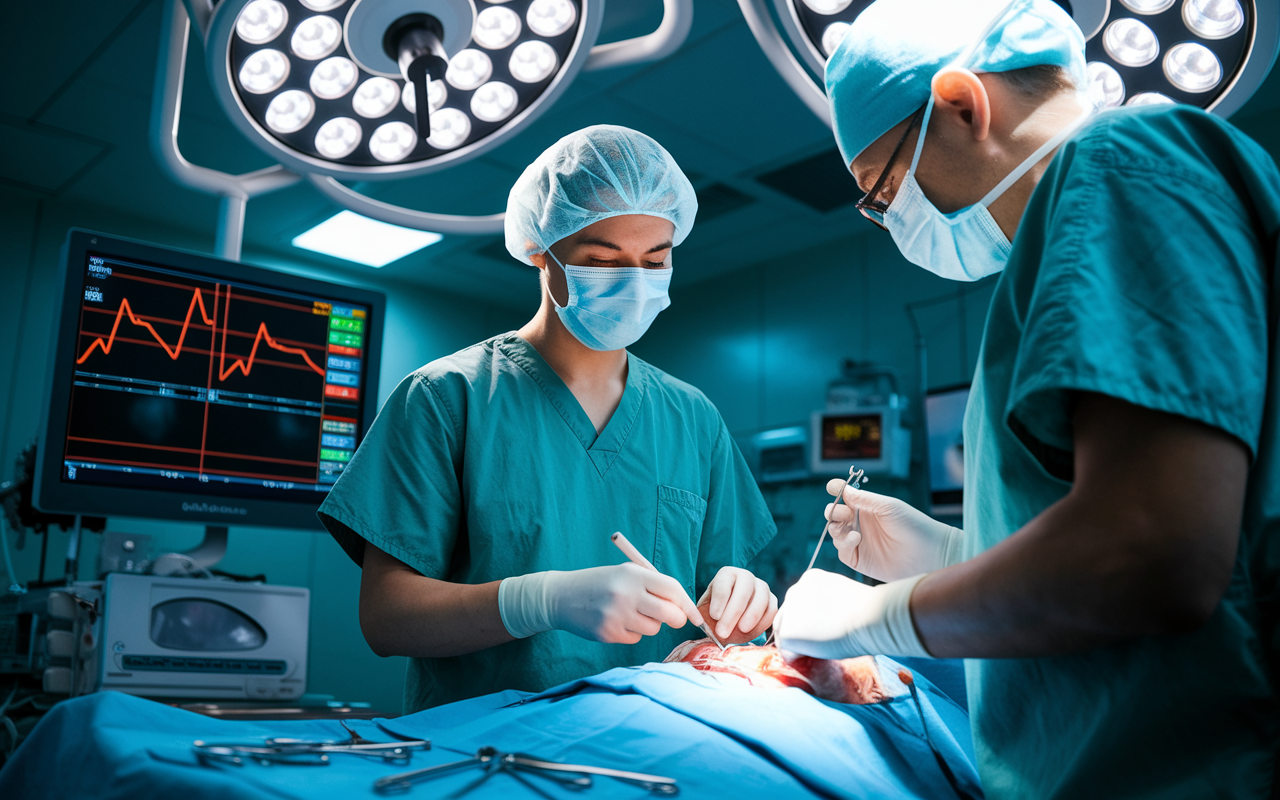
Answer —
870 208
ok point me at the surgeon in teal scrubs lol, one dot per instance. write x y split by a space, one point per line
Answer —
1115 584
481 503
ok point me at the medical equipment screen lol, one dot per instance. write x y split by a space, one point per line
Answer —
198 384
944 418
850 437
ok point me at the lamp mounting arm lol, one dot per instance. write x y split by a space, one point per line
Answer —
405 217
677 20
806 87
166 112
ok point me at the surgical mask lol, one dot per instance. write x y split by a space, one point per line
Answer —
610 308
966 245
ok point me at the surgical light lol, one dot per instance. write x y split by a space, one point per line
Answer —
493 102
449 128
469 70
828 6
532 62
1148 6
1192 67
1106 87
264 71
392 141
351 237
333 78
1213 19
496 27
338 137
1130 47
375 98
1149 99
832 36
261 21
1130 42
290 111
315 37
551 17
354 58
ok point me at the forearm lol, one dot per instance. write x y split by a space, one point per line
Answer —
407 614
1071 579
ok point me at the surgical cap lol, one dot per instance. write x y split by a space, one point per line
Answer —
883 70
596 173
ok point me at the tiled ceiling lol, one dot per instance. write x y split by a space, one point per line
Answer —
76 127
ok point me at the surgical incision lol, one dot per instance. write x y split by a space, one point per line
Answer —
850 680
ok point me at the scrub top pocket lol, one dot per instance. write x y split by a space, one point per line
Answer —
680 517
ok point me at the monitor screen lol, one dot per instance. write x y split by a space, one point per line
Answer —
944 416
206 380
851 437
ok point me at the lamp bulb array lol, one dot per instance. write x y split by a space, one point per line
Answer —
296 78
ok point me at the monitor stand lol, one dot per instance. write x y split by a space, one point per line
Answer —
201 557
211 548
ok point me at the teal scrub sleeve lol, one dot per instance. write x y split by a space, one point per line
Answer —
738 524
1151 289
400 491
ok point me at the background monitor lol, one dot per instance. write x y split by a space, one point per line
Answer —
187 387
944 419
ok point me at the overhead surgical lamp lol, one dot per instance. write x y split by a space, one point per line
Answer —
1213 54
380 89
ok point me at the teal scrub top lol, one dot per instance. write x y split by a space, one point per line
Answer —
483 465
1144 269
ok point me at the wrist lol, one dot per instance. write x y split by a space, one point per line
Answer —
524 602
888 629
953 547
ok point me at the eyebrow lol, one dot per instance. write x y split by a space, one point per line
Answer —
591 240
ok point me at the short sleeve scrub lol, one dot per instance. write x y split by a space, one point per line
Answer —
483 465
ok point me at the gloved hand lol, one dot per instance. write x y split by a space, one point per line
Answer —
893 539
830 616
617 604
737 605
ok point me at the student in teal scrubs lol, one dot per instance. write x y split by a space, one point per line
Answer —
482 501
1116 585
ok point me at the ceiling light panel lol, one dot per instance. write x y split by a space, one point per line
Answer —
351 237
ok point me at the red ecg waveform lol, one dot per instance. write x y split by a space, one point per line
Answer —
244 365
197 299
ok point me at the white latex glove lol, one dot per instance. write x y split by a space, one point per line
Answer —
618 604
738 604
830 616
893 539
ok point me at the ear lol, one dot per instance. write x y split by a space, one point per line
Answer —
962 92
539 260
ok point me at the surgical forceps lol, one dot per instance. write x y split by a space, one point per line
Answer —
856 479
304 752
492 761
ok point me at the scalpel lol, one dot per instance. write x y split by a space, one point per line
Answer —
635 557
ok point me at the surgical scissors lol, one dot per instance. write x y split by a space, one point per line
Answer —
305 752
493 760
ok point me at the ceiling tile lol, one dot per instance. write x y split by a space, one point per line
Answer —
42 158
725 91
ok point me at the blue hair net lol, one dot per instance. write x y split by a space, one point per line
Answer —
883 69
598 172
